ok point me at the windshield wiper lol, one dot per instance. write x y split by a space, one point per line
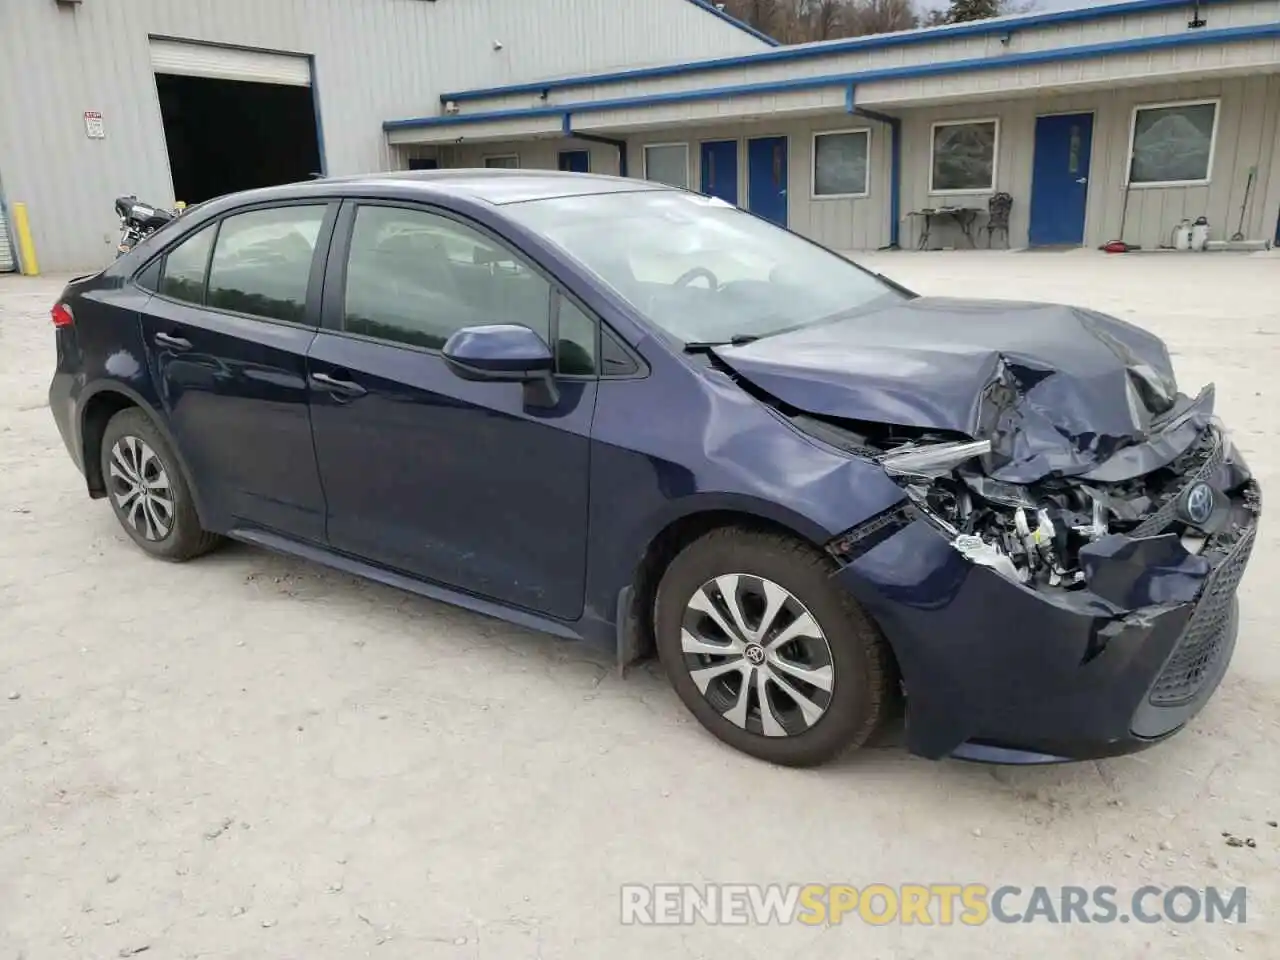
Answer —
737 340
895 286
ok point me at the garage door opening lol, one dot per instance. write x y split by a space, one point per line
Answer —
234 118
228 135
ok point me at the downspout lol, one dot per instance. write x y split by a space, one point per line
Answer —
621 145
895 161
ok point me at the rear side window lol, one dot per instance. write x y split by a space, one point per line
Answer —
262 262
148 278
416 278
185 265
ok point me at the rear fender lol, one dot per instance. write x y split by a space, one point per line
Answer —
91 444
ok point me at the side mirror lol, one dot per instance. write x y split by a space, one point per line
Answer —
500 351
504 353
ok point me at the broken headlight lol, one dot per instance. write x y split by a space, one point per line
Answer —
1022 533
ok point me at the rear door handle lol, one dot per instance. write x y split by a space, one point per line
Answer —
172 342
322 381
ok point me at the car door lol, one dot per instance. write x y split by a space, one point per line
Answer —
236 307
473 485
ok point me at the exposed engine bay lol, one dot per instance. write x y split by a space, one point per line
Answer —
1051 531
1044 440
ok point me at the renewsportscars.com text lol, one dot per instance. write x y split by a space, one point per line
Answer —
925 904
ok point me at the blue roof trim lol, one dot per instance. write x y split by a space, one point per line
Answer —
1090 51
999 25
715 11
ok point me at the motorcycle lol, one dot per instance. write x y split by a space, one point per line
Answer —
137 222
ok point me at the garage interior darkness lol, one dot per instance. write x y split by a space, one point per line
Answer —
228 135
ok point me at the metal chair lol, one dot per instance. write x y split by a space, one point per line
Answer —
998 208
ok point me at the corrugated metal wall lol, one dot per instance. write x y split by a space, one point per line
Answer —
374 60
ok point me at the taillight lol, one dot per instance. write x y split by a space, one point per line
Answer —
61 315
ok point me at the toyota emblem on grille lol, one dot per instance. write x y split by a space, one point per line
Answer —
1198 503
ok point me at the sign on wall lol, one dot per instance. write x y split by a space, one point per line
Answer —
93 127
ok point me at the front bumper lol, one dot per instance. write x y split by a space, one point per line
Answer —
998 671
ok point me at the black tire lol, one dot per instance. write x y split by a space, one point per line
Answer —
861 664
183 538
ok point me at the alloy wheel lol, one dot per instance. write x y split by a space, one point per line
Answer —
140 488
757 655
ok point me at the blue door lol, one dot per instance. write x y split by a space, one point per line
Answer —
416 463
767 178
575 161
1060 178
720 170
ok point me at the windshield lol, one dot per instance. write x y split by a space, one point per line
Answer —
702 270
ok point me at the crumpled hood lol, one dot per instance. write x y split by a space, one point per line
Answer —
1058 390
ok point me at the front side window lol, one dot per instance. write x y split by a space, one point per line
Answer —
575 340
417 278
840 162
262 262
964 156
1173 143
700 269
667 163
182 277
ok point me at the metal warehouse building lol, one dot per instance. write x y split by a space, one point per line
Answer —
1149 112
185 99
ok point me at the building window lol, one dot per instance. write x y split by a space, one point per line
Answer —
509 161
1172 143
964 156
841 160
667 163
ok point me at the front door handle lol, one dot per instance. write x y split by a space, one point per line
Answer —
322 381
172 342
1082 179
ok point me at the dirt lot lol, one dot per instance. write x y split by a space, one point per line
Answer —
252 757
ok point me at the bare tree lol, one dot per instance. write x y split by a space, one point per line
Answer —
800 21
881 16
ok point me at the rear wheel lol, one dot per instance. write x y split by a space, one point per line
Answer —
767 651
147 490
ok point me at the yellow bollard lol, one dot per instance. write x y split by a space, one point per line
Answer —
26 249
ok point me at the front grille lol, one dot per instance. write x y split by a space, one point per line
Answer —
1159 521
1202 641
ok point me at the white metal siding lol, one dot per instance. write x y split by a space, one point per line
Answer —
1136 68
229 63
533 154
488 130
1248 135
7 260
375 60
1112 29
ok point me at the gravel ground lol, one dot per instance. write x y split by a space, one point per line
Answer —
250 756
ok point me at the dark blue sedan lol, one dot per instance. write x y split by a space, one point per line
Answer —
636 416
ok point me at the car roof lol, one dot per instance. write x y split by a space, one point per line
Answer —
494 186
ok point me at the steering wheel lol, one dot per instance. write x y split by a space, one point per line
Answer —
693 274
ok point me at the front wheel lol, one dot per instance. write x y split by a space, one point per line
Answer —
767 651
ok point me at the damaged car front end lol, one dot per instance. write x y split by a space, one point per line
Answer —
1059 581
